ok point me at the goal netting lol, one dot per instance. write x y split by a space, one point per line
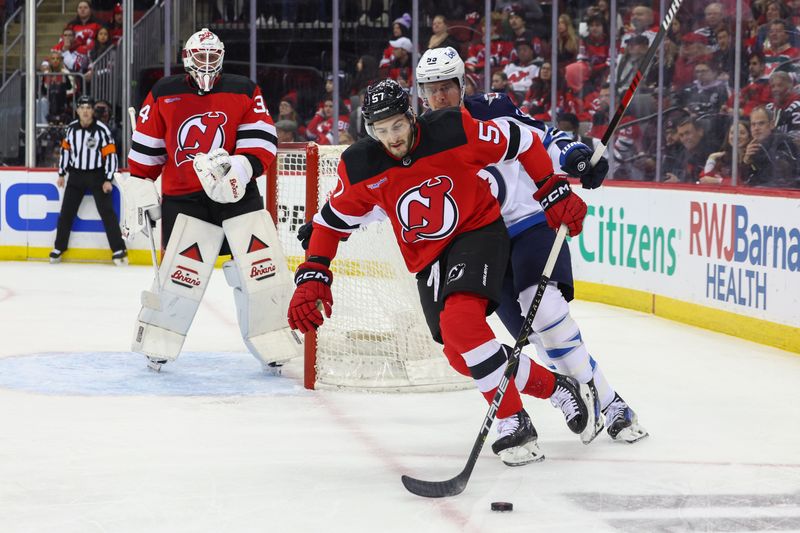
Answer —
377 338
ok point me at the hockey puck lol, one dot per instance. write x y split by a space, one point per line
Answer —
502 506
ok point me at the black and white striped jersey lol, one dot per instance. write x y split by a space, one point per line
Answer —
89 148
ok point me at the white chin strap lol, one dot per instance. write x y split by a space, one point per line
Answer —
205 81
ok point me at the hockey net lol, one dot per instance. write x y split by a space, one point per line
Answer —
376 338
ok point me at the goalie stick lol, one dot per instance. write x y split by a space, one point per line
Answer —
641 72
456 485
150 299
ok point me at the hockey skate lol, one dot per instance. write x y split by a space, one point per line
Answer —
273 369
622 424
155 364
581 408
516 444
120 257
55 256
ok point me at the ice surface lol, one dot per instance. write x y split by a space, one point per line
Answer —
90 440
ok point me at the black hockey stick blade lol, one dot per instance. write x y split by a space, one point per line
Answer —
436 489
456 485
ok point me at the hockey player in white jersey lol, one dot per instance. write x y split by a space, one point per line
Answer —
208 135
440 77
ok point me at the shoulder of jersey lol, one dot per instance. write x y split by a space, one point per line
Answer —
490 106
444 122
364 159
73 123
178 84
234 83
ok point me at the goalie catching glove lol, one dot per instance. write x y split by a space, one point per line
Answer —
576 160
312 295
224 177
560 204
139 198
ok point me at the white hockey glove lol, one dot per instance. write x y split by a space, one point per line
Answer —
139 196
224 177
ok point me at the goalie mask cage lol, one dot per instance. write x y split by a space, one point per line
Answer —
376 338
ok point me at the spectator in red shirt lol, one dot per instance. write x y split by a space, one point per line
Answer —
756 92
779 50
85 25
693 51
400 65
320 129
719 165
595 46
116 25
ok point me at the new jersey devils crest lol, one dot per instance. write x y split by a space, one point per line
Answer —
428 211
200 133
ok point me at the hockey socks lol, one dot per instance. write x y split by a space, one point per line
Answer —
465 332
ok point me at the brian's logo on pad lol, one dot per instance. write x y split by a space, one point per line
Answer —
428 211
262 269
200 133
185 277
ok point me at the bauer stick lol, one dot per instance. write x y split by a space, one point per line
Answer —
641 72
150 299
456 485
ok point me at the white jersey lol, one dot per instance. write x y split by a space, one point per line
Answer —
511 185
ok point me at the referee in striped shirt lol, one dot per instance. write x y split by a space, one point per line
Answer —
88 161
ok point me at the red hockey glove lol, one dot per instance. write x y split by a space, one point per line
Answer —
313 282
560 205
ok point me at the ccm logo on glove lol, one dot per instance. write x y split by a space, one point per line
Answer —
311 275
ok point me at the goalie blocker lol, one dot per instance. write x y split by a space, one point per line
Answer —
258 274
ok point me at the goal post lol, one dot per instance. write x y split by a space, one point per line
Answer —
376 338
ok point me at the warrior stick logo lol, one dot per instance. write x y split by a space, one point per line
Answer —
428 211
200 134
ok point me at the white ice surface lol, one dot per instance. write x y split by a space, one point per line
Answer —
91 441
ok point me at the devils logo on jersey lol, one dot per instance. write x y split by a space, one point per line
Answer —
200 134
428 211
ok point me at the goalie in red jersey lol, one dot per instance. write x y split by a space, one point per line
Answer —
208 135
422 173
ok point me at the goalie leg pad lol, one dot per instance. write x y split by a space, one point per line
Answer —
559 333
262 287
185 271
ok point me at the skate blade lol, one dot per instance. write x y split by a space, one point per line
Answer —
594 423
273 369
589 434
631 434
155 366
522 455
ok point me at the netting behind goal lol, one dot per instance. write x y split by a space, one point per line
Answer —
377 337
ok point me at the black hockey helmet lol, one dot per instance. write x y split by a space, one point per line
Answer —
85 99
382 100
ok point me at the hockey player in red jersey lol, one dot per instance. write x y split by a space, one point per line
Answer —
423 175
208 135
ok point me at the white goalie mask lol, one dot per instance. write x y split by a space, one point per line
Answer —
202 58
439 64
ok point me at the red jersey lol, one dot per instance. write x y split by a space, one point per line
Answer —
175 123
434 193
85 32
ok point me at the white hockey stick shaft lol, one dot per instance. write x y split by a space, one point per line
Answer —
149 298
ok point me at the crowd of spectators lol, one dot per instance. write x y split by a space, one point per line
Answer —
697 81
71 67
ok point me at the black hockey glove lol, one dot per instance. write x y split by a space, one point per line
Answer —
576 160
304 234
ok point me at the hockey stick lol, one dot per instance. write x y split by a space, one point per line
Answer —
641 72
150 299
456 485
